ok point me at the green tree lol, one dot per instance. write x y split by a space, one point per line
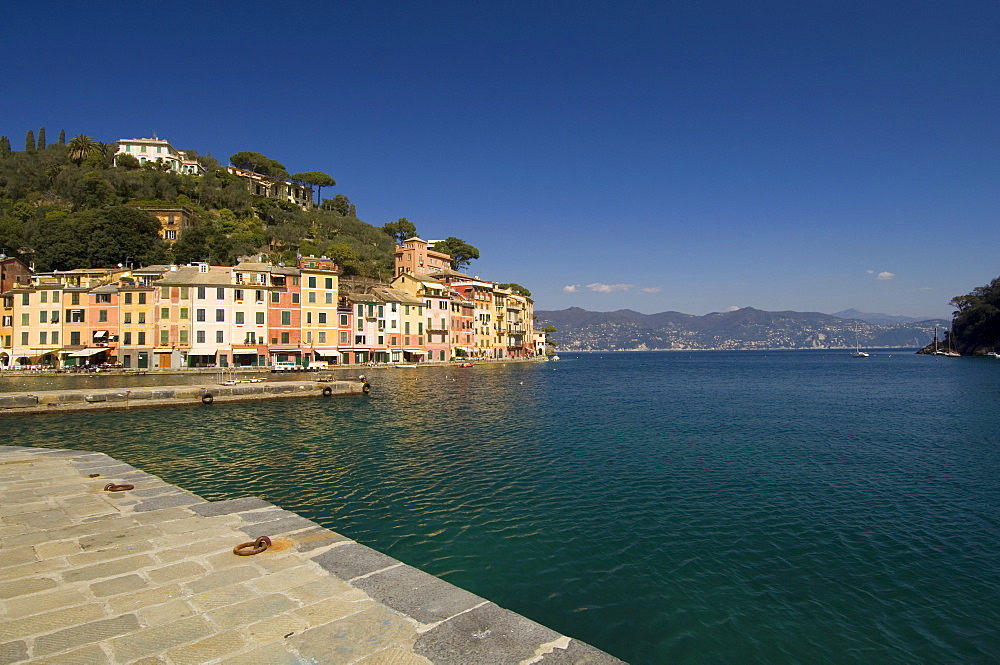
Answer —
400 230
516 288
80 148
29 141
4 145
317 179
127 161
62 137
41 138
461 252
339 204
257 163
976 324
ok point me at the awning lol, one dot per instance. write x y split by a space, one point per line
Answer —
245 352
86 353
205 352
100 333
326 352
418 352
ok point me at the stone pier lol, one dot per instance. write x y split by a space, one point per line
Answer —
148 576
56 401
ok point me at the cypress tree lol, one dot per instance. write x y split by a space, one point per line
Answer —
62 137
29 141
4 145
41 138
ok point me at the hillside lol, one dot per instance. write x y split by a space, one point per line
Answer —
747 328
51 197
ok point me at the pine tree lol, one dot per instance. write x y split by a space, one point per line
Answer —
41 138
62 137
4 145
29 141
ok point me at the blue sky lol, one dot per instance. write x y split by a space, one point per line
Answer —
689 156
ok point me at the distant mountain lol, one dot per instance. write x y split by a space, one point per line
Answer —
748 328
874 317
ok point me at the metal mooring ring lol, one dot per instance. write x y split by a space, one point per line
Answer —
258 546
111 487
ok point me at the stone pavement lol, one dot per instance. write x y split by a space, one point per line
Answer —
148 576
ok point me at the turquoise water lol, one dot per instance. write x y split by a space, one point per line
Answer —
707 507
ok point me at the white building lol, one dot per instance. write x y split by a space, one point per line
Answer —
156 149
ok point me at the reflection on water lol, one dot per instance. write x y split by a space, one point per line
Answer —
685 508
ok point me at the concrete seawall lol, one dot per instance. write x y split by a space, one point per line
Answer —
148 575
55 401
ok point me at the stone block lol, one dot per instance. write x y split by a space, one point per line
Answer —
353 559
23 587
170 501
488 635
49 622
178 571
250 610
131 602
160 639
69 398
17 401
414 593
95 397
112 568
272 654
355 637
332 609
169 612
222 596
88 655
313 539
213 508
579 653
117 585
44 602
274 628
88 633
224 578
13 652
394 656
208 650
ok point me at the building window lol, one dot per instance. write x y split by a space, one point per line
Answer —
309 337
284 338
24 339
25 299
328 282
184 336
260 295
201 293
43 316
329 298
164 312
219 336
164 292
76 316
74 299
260 318
142 339
184 313
142 299
275 296
309 317
343 337
220 315
199 336
359 339
322 317
127 318
343 320
128 298
286 318
127 339
142 318
239 318
220 293
312 282
322 337
102 315
238 294
184 293
43 338
295 298
311 296
164 337
199 315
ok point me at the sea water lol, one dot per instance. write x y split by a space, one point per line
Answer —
703 507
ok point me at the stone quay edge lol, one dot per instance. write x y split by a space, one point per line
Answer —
57 401
149 576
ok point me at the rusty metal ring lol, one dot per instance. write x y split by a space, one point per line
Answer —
258 546
111 487
94 475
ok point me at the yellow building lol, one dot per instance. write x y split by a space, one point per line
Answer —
320 286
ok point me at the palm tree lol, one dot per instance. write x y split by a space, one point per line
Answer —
80 148
106 151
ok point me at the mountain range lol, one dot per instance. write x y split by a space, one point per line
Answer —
747 328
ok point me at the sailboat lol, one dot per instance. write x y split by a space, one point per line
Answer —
937 349
952 353
857 353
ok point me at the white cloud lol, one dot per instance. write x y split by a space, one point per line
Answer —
571 288
870 272
733 308
608 288
886 275
651 289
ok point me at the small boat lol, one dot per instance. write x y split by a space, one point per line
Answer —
554 358
857 353
466 365
406 366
